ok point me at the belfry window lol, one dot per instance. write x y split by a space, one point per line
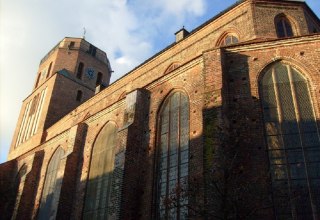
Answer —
100 174
99 79
80 70
283 27
49 70
292 138
79 96
52 187
173 157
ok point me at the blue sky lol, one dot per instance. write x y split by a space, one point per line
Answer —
130 31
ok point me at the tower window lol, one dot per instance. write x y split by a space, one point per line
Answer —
99 79
92 50
38 79
49 69
80 70
283 27
71 44
79 96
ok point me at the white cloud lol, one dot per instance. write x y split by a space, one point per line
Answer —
125 30
130 31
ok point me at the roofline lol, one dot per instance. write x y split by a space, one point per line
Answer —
190 33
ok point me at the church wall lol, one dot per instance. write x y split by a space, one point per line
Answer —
265 12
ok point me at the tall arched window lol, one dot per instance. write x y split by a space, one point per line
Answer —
99 79
173 157
19 185
52 187
49 70
283 26
100 174
79 96
293 142
80 70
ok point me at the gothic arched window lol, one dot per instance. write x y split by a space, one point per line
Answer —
19 186
49 70
99 79
229 39
100 174
80 70
283 26
293 142
79 95
173 156
52 187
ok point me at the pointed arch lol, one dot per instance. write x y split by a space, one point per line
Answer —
100 173
231 36
292 137
284 26
172 155
171 67
52 186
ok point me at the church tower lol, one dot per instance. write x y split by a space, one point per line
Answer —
68 75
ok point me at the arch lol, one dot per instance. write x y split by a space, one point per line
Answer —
284 26
228 37
52 186
80 70
100 173
172 155
171 67
292 137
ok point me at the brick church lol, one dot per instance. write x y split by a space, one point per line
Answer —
221 124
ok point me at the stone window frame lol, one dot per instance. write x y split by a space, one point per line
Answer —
158 157
290 177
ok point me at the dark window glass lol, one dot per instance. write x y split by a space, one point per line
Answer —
99 79
80 70
79 96
283 27
173 160
293 142
52 187
100 174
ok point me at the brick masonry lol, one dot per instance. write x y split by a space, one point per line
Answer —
223 90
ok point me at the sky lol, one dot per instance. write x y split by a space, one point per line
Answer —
129 31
